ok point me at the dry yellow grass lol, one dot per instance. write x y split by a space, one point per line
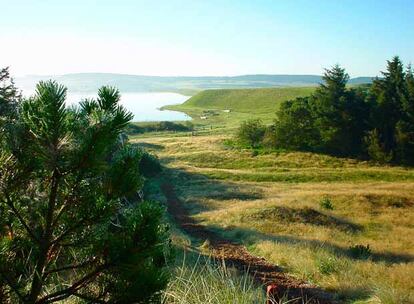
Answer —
251 198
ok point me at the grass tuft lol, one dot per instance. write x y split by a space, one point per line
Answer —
326 203
206 281
362 252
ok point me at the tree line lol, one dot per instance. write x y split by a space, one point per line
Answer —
72 223
371 121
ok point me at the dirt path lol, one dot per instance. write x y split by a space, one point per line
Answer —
237 256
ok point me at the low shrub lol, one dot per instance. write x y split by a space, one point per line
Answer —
375 149
149 165
251 133
134 128
255 153
326 203
362 252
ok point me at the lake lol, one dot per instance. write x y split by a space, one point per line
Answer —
144 106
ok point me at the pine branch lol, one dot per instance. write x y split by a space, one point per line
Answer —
46 240
70 267
90 299
67 292
12 286
10 204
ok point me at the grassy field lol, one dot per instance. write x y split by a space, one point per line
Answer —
343 224
242 103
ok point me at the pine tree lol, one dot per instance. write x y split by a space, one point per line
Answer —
9 94
9 99
404 133
339 114
394 111
69 224
388 93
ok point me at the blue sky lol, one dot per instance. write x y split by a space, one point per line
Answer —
204 37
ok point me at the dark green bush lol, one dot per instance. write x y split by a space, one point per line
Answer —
374 148
251 133
255 153
149 164
141 269
326 203
269 137
294 127
360 251
139 128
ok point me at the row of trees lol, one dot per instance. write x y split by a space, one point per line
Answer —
374 121
70 223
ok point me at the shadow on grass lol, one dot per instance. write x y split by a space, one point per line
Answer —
305 215
236 256
149 146
194 187
248 235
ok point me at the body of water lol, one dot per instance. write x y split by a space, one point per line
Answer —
144 106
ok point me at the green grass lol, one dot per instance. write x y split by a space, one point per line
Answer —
271 203
205 281
245 100
313 176
242 103
274 202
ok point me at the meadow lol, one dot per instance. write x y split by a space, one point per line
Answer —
343 224
224 109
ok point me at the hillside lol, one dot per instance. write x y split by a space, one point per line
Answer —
227 108
90 82
244 100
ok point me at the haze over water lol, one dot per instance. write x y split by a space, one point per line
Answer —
144 106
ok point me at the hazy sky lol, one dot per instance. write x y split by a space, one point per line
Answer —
204 37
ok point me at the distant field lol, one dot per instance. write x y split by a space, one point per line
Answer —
242 104
275 204
245 100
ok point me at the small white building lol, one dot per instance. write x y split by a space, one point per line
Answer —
226 111
203 117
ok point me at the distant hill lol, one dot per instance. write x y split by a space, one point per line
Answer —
90 82
361 80
252 101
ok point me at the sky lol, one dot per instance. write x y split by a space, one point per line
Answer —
204 37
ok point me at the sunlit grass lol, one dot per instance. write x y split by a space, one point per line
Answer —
204 281
230 191
241 103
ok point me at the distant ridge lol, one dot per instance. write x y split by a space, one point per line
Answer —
90 82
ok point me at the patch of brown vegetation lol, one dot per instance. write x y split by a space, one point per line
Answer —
389 201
